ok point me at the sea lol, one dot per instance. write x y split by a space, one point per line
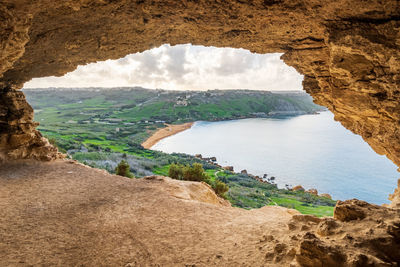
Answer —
309 150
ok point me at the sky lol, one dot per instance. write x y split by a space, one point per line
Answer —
183 67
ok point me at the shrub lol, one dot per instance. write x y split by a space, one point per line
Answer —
175 171
123 169
194 173
220 188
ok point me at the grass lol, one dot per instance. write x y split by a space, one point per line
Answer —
304 208
162 170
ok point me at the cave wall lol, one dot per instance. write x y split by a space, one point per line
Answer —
349 51
18 135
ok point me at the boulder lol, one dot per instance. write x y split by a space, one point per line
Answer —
350 210
298 188
313 191
228 168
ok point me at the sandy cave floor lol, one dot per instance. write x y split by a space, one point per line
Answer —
64 213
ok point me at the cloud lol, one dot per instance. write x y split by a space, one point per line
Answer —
184 67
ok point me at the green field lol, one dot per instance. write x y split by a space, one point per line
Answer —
101 127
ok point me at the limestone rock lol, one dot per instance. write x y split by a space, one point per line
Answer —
228 168
350 210
327 227
313 191
395 197
298 188
314 252
18 137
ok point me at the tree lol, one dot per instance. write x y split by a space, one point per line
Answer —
123 169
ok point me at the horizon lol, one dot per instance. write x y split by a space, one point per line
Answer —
180 67
160 89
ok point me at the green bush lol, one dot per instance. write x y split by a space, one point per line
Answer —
220 188
195 173
123 169
175 171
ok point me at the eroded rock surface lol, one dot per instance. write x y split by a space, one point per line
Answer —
18 136
360 235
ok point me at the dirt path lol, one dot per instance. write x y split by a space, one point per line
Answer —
165 132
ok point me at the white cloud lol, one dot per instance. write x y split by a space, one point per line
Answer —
183 67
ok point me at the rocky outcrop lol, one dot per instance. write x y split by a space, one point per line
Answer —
395 197
298 188
18 136
360 235
228 168
313 191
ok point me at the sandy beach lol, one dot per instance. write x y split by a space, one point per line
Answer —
165 132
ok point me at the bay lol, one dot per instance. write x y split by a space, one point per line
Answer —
311 150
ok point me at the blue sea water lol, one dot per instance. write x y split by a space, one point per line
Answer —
311 150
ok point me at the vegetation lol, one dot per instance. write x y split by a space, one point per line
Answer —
198 174
219 187
123 169
104 129
175 171
121 118
195 173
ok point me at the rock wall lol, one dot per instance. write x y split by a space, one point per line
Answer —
18 136
348 50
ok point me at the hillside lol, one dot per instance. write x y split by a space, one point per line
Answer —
101 127
114 117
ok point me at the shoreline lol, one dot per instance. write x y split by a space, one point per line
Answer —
165 132
172 129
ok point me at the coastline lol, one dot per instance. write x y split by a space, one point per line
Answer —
172 129
165 132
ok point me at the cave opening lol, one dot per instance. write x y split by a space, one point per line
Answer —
65 213
82 117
